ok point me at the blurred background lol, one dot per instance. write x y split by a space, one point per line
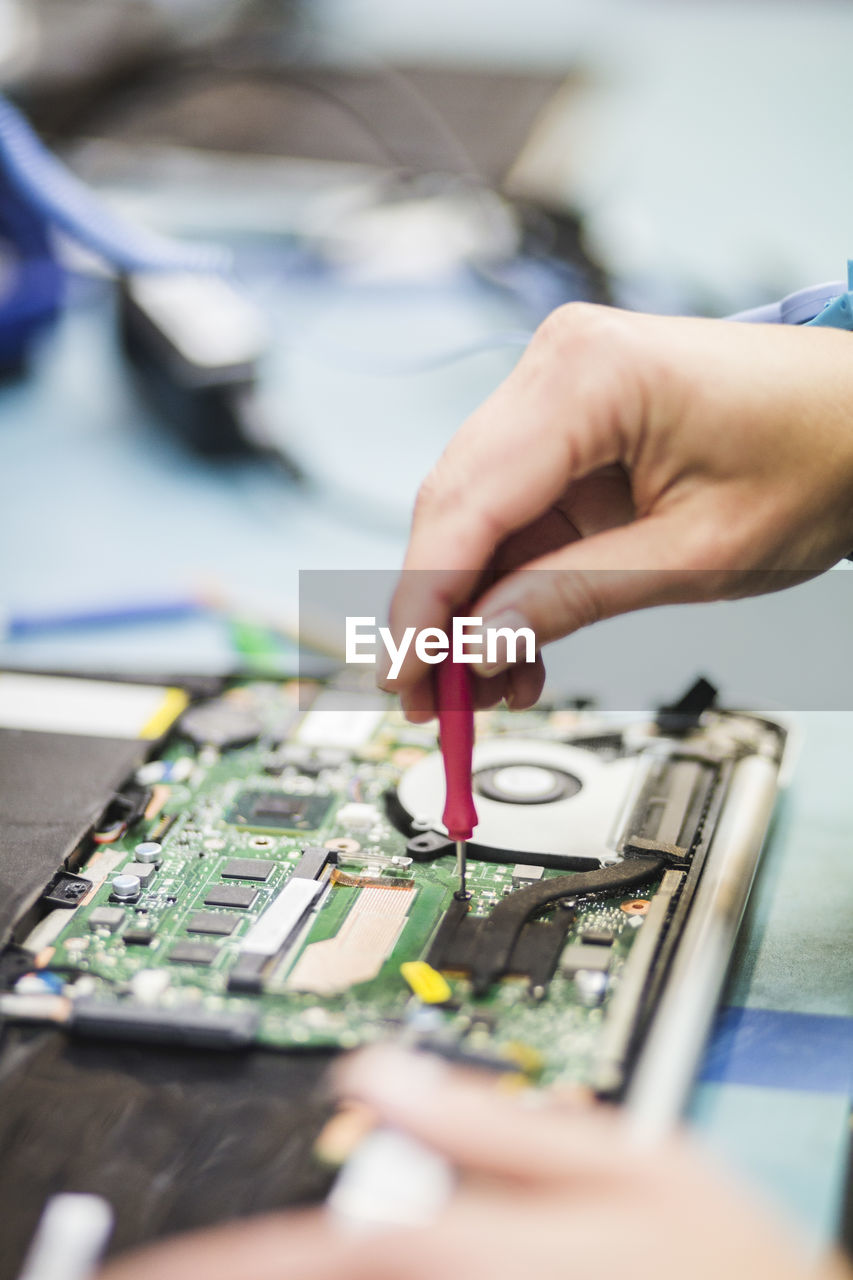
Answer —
402 192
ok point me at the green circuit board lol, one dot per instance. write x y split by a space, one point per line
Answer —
234 825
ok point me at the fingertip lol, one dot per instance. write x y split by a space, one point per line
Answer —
386 1076
488 693
525 685
418 702
415 713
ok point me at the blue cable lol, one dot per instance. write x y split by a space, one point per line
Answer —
33 288
60 199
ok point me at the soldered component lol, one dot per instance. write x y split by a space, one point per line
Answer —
193 953
358 817
126 888
111 918
231 895
139 937
221 923
580 956
144 872
598 937
523 875
257 869
276 811
149 851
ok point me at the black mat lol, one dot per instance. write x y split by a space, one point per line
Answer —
173 1139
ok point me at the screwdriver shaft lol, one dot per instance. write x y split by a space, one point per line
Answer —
456 737
462 866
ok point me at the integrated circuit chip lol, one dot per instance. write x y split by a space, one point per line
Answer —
598 937
247 869
139 937
216 922
579 956
279 811
230 895
193 953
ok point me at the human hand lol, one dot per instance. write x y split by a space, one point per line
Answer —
547 1187
632 460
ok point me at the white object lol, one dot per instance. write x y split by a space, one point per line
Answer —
281 917
358 817
579 825
390 1181
70 1238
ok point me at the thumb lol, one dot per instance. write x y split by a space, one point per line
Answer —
635 566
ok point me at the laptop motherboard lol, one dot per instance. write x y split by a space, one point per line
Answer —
278 876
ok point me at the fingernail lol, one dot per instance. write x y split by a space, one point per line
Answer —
511 620
388 1076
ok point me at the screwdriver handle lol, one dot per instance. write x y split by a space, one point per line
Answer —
456 737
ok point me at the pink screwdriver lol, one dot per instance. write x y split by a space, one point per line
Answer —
456 739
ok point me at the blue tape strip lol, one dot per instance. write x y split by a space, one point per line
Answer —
777 1050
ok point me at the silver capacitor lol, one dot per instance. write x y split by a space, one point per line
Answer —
149 851
125 888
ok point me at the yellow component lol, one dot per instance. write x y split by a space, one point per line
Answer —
427 984
528 1059
166 714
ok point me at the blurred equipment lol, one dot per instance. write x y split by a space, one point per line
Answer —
39 197
195 342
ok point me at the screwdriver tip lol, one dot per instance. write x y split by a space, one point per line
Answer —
462 867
